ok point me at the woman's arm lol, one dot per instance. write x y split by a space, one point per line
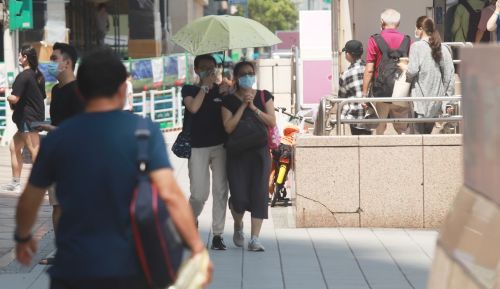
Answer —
448 70
268 117
13 99
229 120
413 63
492 22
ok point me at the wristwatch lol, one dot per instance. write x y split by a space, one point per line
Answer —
257 111
20 240
205 88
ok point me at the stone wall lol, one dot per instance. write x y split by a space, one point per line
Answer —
376 181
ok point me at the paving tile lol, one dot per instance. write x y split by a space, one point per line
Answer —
300 264
337 262
376 264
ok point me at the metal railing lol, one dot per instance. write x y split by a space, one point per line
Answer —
340 102
164 107
139 107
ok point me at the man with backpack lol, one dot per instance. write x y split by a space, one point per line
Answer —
382 58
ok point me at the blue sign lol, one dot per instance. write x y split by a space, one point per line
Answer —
236 2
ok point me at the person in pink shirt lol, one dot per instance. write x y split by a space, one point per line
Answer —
389 20
482 26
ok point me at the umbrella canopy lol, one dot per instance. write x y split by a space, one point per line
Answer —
223 32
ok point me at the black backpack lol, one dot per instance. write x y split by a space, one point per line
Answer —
474 18
388 70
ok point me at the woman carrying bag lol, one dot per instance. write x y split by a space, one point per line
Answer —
431 72
247 119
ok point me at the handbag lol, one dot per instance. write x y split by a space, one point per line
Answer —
401 89
273 134
158 245
249 133
182 145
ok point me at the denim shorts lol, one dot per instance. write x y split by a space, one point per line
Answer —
25 127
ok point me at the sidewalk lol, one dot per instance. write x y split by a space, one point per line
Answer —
295 258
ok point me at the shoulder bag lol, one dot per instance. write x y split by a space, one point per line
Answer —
158 245
273 133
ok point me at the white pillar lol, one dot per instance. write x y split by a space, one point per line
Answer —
55 29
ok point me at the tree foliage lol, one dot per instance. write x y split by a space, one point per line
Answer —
274 14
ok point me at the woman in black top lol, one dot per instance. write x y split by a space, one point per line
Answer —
26 99
248 172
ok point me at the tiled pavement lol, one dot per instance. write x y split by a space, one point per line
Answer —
327 258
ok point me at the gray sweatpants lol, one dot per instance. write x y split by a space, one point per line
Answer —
200 163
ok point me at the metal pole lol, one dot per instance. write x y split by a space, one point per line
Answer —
335 13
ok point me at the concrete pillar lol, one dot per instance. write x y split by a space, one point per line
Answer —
55 29
145 28
184 12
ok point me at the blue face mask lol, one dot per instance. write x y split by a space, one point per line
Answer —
202 74
53 68
246 81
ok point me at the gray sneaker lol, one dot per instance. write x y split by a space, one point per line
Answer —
255 245
238 236
12 187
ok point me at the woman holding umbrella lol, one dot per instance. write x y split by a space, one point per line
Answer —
248 171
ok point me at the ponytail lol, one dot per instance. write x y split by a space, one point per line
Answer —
32 59
429 28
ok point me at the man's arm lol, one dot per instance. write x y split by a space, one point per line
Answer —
26 213
193 104
492 22
368 77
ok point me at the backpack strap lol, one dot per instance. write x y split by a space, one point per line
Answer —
142 134
382 44
467 6
405 45
263 100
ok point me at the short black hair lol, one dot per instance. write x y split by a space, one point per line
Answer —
68 51
100 74
199 58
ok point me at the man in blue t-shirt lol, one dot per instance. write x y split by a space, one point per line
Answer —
494 21
92 158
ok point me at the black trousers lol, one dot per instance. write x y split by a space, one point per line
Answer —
100 283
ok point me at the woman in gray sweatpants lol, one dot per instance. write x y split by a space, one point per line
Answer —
202 115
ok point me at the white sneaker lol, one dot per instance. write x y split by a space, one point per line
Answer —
238 236
12 187
255 245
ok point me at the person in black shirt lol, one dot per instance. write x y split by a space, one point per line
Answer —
27 101
65 103
204 120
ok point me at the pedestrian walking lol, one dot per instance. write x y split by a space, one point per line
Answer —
65 103
102 23
93 159
482 33
494 21
431 72
129 101
248 170
27 101
351 85
203 104
384 51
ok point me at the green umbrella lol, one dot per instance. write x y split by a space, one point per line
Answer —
216 33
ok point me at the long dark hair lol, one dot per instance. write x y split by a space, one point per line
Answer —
427 25
30 54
